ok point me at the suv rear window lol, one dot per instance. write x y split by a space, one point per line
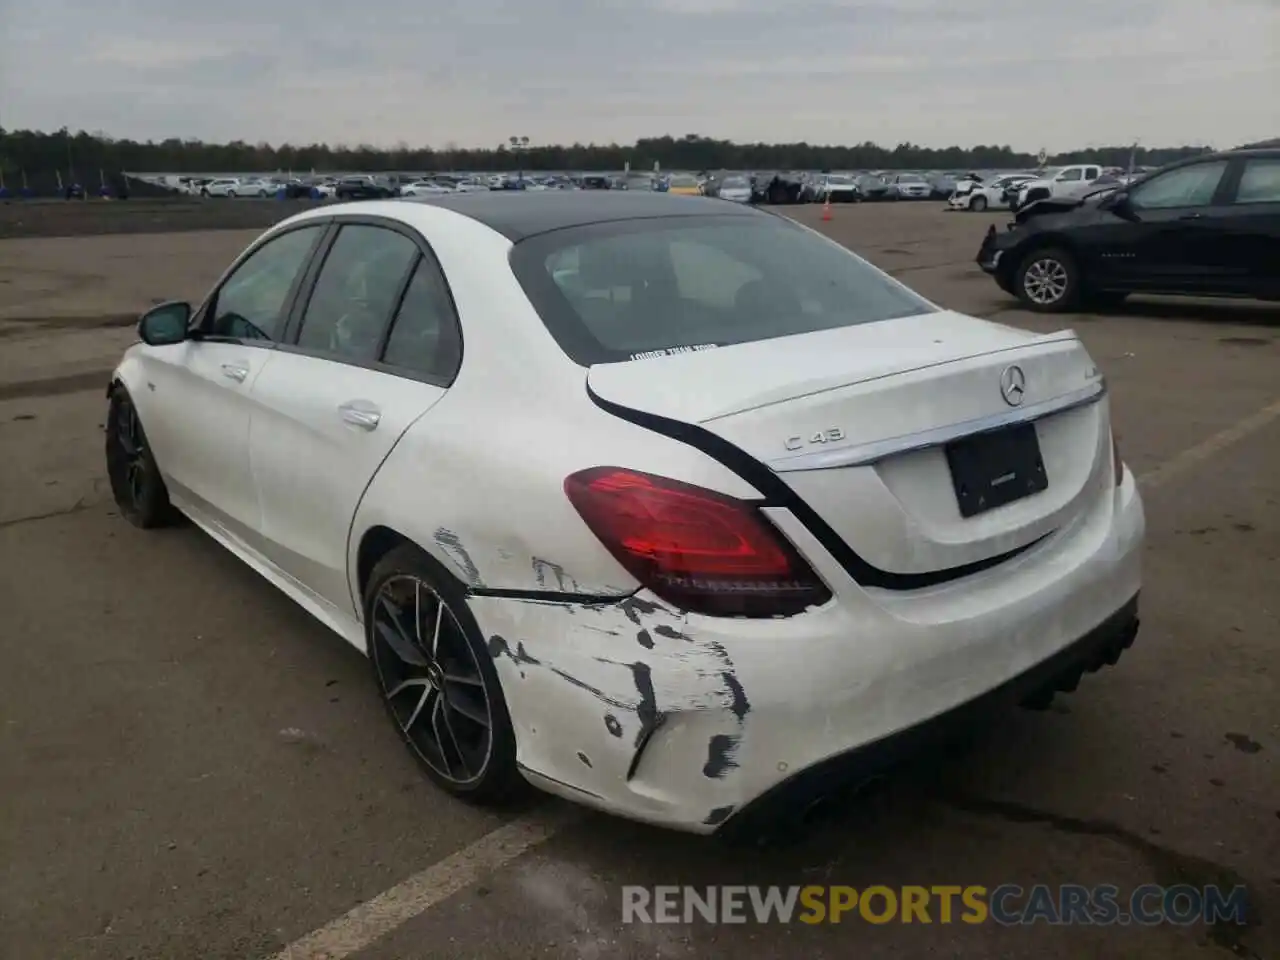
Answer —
633 289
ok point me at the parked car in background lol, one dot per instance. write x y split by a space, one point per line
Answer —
943 185
253 187
219 187
684 184
1072 181
836 187
872 186
1204 227
909 186
736 189
364 187
995 194
425 187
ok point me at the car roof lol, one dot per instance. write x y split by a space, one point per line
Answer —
520 214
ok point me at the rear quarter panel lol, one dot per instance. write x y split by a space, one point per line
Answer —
478 481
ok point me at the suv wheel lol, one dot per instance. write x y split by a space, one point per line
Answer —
1048 280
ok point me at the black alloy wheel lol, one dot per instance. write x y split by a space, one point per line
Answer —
437 680
136 484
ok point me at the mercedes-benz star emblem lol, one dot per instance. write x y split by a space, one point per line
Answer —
1013 385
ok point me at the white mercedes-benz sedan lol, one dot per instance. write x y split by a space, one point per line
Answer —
666 505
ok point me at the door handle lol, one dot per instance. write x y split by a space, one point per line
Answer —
235 372
363 415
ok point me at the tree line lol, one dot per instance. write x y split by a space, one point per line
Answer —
82 157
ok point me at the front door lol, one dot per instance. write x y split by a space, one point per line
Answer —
376 346
198 404
1182 217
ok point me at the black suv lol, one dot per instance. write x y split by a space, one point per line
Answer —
1207 227
364 188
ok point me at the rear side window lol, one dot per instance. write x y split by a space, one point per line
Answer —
634 289
424 338
1260 181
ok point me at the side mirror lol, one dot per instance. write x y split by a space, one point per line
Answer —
1117 203
166 324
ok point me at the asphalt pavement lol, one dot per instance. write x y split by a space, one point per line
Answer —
191 767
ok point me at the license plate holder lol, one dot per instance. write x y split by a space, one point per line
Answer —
990 470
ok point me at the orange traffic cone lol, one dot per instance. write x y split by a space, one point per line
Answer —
826 210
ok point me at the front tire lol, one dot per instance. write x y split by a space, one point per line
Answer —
1048 280
437 680
978 204
136 484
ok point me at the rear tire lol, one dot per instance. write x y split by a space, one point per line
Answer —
136 484
1048 280
439 686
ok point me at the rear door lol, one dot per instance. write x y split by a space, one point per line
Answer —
373 346
1251 225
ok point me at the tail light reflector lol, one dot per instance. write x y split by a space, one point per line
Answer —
700 550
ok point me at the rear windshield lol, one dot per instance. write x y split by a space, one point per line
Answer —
635 289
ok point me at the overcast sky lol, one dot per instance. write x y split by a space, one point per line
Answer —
1030 73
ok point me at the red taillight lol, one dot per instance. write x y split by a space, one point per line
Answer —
698 549
1117 465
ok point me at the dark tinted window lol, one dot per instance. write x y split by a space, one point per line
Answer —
356 291
617 290
1192 186
1260 181
250 304
425 338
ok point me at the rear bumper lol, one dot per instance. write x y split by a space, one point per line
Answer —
690 722
1062 672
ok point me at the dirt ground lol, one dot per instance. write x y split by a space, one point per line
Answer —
190 767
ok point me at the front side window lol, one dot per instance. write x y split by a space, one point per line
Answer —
1260 181
1192 186
1068 175
356 291
629 289
250 305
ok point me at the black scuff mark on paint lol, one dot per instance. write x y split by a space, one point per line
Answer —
720 751
644 639
740 705
612 725
718 816
584 758
647 709
564 582
634 608
451 543
671 633
605 630
594 691
498 647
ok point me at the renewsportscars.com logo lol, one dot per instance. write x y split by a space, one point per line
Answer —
1008 905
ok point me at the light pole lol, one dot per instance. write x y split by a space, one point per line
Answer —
519 146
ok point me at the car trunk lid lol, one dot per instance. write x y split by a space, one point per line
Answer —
863 424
